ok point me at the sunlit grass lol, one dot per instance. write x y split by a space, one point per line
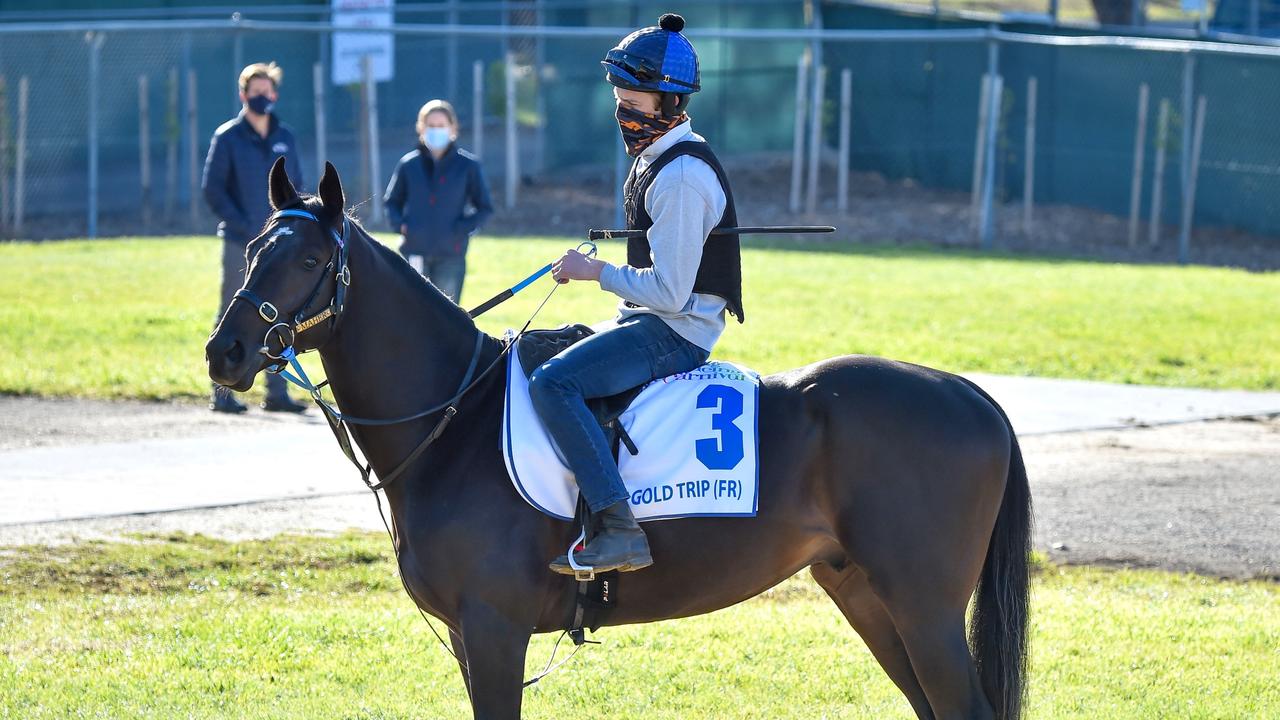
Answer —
128 318
306 627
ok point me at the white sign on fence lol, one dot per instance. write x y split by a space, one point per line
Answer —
349 48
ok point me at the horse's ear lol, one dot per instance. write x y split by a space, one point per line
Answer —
281 191
331 191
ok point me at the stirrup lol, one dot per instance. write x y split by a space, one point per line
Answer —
581 573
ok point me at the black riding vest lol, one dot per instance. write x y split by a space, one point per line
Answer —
720 271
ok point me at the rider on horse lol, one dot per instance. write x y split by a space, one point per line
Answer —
674 289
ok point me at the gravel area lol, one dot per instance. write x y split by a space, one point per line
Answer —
29 422
1201 497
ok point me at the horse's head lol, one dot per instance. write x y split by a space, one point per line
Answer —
294 285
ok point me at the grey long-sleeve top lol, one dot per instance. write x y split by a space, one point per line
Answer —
686 202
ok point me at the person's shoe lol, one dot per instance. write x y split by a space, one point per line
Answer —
227 404
619 545
284 404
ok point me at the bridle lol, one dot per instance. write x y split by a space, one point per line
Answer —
270 312
337 421
288 358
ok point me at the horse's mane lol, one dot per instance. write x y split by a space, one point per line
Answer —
394 262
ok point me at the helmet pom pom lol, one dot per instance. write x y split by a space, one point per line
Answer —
672 22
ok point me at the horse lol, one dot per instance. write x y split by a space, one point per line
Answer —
902 488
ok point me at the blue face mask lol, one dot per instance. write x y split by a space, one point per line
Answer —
261 105
437 138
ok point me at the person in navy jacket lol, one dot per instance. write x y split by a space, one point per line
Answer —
235 186
436 199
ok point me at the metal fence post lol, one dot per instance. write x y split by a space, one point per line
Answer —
4 155
979 149
318 89
815 137
172 131
477 108
1029 151
995 100
237 60
513 165
797 142
193 168
1137 13
1157 174
1189 201
451 53
1188 96
20 158
540 103
366 173
144 149
846 109
1139 150
95 41
620 162
375 154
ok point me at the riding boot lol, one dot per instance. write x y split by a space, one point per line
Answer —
619 545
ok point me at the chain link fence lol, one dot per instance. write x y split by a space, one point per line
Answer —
104 125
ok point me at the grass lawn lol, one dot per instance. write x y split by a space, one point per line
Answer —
308 627
128 318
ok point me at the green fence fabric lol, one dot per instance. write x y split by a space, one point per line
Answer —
915 115
914 109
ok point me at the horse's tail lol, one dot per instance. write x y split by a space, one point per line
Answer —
998 630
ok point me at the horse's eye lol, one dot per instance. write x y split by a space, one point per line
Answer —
310 263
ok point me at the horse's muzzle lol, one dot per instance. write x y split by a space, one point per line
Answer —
230 364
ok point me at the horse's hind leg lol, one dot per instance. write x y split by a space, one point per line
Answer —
851 593
935 641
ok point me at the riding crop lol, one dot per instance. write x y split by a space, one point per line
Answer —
507 294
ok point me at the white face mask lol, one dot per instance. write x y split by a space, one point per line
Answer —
437 138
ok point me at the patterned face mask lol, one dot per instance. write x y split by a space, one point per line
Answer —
641 129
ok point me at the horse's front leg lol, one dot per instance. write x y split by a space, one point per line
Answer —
495 647
461 653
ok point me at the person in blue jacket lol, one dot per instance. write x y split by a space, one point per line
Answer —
235 186
436 199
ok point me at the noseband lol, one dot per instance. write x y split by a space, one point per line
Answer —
270 312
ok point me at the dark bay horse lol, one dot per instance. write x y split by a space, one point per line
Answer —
902 488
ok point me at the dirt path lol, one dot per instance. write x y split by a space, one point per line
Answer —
1202 496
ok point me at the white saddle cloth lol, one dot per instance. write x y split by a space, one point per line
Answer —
697 439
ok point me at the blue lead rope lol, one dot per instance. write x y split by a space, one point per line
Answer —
304 382
506 295
301 379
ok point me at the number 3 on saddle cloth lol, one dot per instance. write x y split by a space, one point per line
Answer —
690 439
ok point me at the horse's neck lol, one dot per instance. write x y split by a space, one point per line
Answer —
399 348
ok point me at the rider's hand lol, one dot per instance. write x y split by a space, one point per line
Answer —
573 265
404 230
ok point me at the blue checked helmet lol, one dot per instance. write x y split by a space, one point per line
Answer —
655 59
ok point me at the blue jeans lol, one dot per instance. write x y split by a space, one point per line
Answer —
446 272
642 348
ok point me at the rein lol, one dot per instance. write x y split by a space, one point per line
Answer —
338 422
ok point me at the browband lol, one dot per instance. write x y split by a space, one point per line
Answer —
307 216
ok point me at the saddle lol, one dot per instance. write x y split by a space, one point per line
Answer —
536 347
